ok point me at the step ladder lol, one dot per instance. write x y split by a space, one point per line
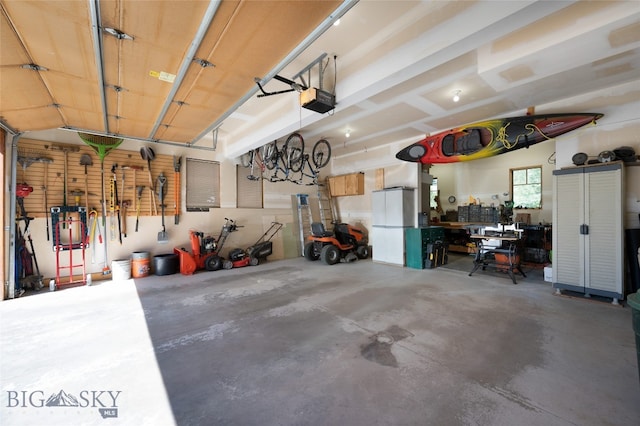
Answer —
325 205
305 218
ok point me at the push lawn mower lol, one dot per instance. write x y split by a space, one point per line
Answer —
205 251
345 243
258 251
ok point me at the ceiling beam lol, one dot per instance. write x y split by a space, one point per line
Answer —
94 8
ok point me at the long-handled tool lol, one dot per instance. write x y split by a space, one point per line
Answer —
93 219
85 160
125 205
45 187
102 145
162 180
134 186
147 154
116 201
95 224
177 162
139 190
112 210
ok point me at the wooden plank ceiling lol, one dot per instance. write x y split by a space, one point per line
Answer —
49 72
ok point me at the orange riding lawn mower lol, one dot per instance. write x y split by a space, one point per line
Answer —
346 243
205 250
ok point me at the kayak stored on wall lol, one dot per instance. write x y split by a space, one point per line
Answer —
492 137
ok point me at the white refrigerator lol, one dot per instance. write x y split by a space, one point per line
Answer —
393 210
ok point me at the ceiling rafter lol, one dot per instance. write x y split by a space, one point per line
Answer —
94 8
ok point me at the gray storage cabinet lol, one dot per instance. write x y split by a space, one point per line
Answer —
393 210
588 230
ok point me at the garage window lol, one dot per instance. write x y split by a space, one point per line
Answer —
203 185
526 187
249 191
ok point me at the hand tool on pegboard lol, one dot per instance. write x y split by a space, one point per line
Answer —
177 162
148 154
112 210
65 149
161 187
133 188
125 205
139 190
85 160
95 225
93 219
45 189
121 202
115 202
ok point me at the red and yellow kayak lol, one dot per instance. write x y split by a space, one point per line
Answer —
492 137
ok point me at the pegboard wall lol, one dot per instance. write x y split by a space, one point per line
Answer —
42 166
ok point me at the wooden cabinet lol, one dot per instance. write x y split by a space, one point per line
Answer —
349 184
587 230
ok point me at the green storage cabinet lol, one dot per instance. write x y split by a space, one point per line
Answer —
416 241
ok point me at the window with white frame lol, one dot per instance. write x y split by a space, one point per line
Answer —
526 187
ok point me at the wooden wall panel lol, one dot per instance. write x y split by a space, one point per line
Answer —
34 175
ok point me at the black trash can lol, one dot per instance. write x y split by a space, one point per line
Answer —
634 301
166 264
632 246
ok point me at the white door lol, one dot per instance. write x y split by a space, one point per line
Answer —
568 244
603 243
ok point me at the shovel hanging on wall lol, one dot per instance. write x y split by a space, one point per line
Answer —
177 161
148 154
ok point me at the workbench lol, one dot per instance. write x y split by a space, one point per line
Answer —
457 235
507 258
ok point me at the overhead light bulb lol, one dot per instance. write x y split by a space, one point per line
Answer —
456 95
335 24
347 133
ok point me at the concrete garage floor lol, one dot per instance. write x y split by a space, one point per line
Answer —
300 343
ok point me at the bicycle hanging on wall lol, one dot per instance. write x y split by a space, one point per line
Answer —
288 163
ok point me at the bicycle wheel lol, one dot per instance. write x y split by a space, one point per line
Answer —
293 150
245 159
295 160
270 156
321 153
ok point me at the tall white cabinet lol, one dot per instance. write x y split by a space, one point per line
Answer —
393 210
588 230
